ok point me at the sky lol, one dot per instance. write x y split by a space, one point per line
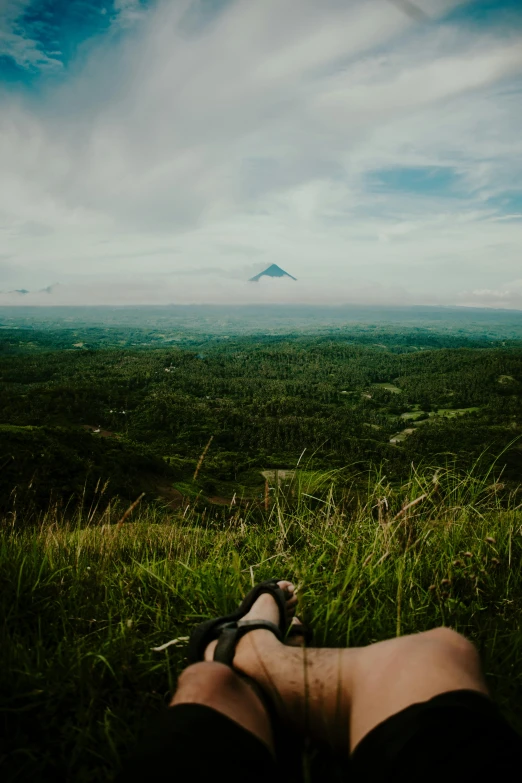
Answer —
159 151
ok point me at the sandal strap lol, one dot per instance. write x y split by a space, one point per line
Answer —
206 632
271 587
231 633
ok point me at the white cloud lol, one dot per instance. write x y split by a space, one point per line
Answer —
128 12
212 288
256 137
509 296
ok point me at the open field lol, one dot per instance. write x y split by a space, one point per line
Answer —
391 387
401 436
419 418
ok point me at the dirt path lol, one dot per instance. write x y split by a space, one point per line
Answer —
99 431
220 501
172 497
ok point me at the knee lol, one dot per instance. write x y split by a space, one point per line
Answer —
207 677
451 644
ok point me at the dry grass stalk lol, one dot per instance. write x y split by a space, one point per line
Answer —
383 517
409 505
129 511
203 455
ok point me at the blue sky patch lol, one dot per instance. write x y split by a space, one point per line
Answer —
423 180
507 203
10 71
487 12
47 35
58 27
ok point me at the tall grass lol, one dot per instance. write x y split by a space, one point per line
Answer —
84 602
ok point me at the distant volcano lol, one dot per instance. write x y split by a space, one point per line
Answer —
272 271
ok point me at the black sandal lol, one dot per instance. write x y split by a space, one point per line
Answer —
231 633
230 628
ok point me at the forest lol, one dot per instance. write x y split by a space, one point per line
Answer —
78 408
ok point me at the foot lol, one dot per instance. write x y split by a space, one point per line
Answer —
265 608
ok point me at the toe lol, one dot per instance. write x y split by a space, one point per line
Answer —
209 652
289 589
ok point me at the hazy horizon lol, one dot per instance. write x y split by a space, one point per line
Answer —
156 152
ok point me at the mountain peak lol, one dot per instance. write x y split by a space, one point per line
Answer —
272 271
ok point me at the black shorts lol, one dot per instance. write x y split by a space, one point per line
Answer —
456 736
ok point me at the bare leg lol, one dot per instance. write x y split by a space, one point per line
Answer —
340 695
218 686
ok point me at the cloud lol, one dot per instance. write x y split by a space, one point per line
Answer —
197 141
128 12
509 296
221 288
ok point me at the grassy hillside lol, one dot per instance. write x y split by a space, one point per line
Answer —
93 416
42 465
84 602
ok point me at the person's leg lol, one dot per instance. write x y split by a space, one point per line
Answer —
217 686
392 675
215 722
223 690
341 695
